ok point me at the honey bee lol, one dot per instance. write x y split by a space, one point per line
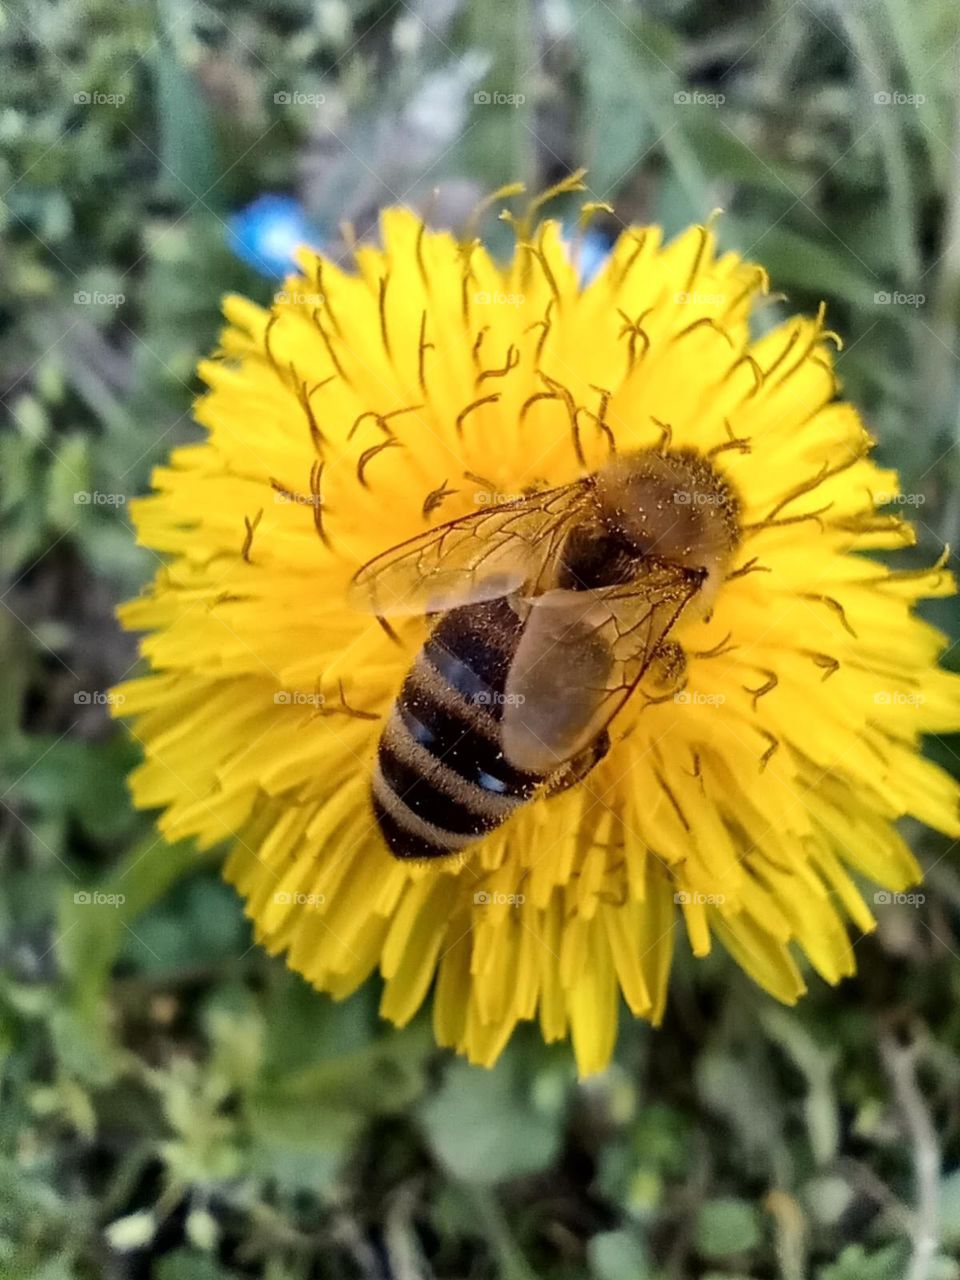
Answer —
552 609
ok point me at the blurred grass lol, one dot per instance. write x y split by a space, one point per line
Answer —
174 1104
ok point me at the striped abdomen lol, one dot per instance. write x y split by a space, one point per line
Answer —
441 780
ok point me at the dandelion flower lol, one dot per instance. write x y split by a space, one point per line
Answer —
371 403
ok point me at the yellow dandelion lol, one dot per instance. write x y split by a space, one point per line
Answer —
733 731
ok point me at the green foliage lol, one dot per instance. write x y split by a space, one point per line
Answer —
484 1127
175 1104
727 1226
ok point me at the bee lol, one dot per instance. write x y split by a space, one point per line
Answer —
548 612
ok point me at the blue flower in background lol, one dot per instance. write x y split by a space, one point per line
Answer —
588 250
595 248
266 233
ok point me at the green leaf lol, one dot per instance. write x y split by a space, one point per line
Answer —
95 919
300 1143
135 1231
817 1064
855 1263
822 267
727 1226
483 1130
618 1255
827 1198
498 140
188 1264
187 148
637 56
950 1208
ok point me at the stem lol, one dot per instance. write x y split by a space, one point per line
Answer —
901 1067
511 1263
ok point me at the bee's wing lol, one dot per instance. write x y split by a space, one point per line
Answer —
486 554
580 657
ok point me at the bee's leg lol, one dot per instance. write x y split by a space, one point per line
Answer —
575 770
668 669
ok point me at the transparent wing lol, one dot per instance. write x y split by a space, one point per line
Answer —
486 554
580 657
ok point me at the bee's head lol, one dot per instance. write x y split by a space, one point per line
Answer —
674 506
